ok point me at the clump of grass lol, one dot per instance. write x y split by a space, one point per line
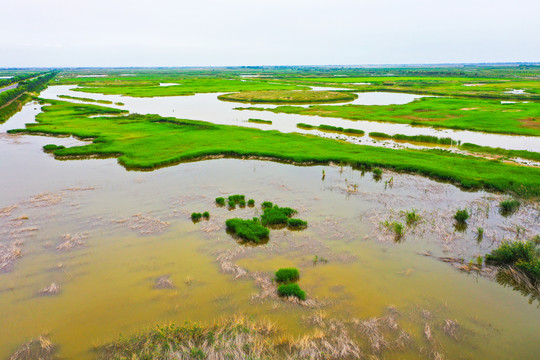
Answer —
242 203
250 230
237 198
479 233
260 121
524 256
461 216
291 290
412 217
251 202
220 201
305 126
266 204
287 275
52 147
206 215
398 229
296 224
377 173
509 206
231 204
196 216
276 215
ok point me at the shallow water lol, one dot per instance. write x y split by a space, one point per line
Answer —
207 107
135 227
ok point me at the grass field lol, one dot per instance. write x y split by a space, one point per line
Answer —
148 142
295 97
453 113
482 87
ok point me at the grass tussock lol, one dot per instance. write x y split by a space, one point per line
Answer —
461 216
509 206
250 229
220 201
276 215
296 224
196 216
52 147
287 275
260 121
292 289
524 256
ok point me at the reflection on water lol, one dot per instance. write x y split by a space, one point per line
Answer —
207 107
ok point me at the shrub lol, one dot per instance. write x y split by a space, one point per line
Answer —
291 290
296 223
266 204
206 215
287 275
220 201
461 216
250 230
196 216
509 206
276 215
52 147
525 256
237 198
251 202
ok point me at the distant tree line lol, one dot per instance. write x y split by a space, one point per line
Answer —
16 79
12 100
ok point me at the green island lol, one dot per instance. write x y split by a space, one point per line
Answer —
148 142
293 97
451 113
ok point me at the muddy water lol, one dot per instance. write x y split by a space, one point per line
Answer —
104 235
207 107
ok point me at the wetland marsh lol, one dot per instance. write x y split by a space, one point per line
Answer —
90 251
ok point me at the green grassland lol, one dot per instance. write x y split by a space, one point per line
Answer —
147 85
433 85
453 113
291 96
147 142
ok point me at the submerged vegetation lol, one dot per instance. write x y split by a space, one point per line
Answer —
149 141
260 121
509 206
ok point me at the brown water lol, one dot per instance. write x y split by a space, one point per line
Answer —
134 227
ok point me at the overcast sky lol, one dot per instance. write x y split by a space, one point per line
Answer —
276 32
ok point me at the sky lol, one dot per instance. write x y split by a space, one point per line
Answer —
96 33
